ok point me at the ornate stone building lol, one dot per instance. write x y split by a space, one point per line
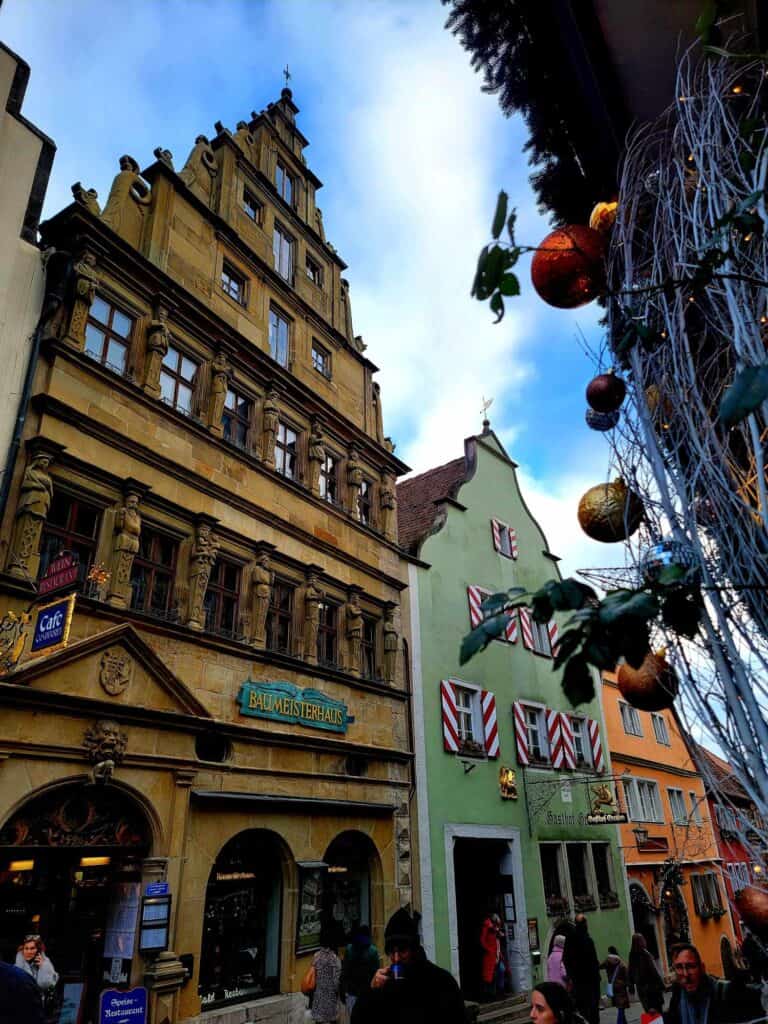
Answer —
230 715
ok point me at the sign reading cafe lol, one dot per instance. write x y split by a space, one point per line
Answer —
285 702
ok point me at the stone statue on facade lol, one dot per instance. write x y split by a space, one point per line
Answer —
128 199
84 282
270 421
319 227
391 644
244 139
105 744
200 169
261 586
125 547
313 596
164 156
316 456
354 481
346 310
378 419
158 339
219 384
35 498
388 503
353 619
201 561
87 197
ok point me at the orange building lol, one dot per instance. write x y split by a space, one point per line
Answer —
669 848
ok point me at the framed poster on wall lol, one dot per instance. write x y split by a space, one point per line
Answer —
312 875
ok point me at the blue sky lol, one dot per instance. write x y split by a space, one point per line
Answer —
412 155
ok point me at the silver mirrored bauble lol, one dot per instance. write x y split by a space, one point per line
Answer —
602 420
666 553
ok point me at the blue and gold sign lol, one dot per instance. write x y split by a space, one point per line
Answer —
284 702
53 623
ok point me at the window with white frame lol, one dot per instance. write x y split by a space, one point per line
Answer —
282 250
466 700
284 182
580 877
660 730
706 894
603 864
253 208
739 875
726 818
581 746
536 729
504 538
540 633
630 719
279 337
555 889
677 806
642 799
695 808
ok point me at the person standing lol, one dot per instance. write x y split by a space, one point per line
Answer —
325 997
412 990
618 988
20 998
360 963
31 959
643 976
555 969
491 946
698 998
583 969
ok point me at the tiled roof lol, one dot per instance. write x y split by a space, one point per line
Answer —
417 500
719 770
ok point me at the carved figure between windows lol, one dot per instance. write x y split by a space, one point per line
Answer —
378 419
84 282
200 169
125 547
219 383
201 561
269 423
313 595
261 587
353 619
316 456
128 200
346 311
354 481
391 644
87 197
388 502
158 339
34 502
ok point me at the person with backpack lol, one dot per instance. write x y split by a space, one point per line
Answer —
618 986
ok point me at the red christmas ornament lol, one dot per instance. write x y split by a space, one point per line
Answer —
568 268
606 392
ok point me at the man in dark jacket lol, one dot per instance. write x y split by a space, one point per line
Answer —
583 969
412 990
698 998
20 999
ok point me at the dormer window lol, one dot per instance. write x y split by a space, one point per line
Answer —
284 182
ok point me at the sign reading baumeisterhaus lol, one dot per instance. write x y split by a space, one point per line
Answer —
284 702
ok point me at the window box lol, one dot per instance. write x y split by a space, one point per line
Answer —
608 900
471 748
584 902
558 906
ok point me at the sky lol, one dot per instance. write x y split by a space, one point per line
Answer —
412 154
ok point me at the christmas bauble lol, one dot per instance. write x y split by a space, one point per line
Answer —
652 687
610 512
603 217
752 905
666 553
568 268
602 420
606 392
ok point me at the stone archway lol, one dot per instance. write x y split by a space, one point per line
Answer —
644 921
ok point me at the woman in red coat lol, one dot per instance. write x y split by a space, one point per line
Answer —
489 940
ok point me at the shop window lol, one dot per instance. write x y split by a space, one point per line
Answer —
630 719
282 251
328 634
152 575
284 182
253 208
314 272
603 863
368 666
177 380
555 893
278 337
108 335
232 283
329 479
677 806
286 451
222 598
321 359
240 952
347 896
660 730
71 525
578 873
365 502
236 419
280 617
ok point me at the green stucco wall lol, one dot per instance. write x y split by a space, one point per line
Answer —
460 554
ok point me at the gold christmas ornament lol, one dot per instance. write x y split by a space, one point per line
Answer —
568 268
652 687
603 217
610 512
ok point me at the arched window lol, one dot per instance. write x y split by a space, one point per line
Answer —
240 955
348 882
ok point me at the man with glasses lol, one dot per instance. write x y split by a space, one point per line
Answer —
698 998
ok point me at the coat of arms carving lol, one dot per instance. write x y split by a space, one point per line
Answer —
116 672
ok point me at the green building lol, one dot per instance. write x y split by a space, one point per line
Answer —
508 774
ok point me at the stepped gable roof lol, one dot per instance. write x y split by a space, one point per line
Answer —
721 772
419 497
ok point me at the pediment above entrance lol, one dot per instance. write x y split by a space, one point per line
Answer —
117 666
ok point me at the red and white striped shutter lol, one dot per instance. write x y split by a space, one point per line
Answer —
555 737
595 745
490 725
496 529
521 733
475 596
448 712
512 541
510 630
569 751
526 627
554 637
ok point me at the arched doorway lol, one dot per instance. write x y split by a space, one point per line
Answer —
240 954
644 918
70 870
348 897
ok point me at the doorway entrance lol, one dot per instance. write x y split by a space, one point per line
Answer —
70 871
644 919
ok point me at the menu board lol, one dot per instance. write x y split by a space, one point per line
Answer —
120 933
311 889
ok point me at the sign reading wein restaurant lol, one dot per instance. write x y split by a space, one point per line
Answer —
284 702
62 572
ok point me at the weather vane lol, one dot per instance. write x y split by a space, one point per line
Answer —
286 75
487 403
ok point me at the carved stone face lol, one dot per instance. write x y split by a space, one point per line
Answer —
105 741
132 501
263 560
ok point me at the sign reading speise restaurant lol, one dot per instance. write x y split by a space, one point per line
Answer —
285 702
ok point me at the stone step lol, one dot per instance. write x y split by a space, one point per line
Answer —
513 1010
